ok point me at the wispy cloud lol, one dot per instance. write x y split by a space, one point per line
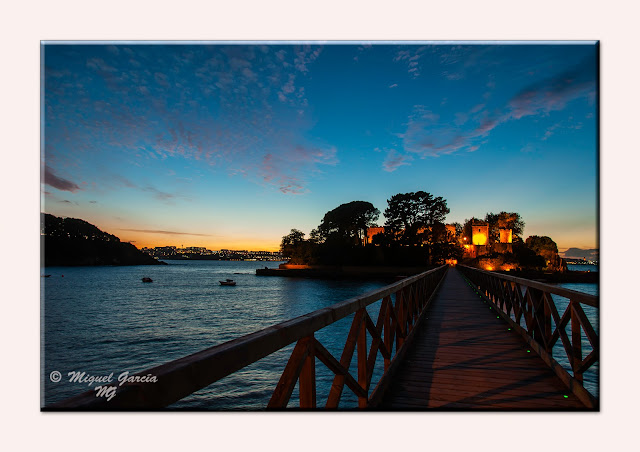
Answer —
158 231
224 106
549 132
411 56
158 194
395 160
427 134
555 92
285 168
54 181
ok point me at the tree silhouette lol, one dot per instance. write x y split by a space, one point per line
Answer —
293 238
295 247
409 214
504 220
347 223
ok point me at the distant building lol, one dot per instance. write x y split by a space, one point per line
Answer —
480 239
506 235
479 234
372 232
505 243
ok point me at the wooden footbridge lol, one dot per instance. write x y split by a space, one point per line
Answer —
449 339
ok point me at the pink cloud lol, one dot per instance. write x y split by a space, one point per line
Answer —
54 181
395 160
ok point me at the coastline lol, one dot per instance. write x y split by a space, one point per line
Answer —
569 276
362 272
341 272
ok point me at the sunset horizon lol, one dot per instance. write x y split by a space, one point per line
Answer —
232 146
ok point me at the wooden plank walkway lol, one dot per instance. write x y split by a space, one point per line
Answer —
464 358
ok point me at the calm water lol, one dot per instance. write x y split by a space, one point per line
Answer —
582 268
103 320
591 376
100 320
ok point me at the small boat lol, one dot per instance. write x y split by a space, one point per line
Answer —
228 282
45 276
147 279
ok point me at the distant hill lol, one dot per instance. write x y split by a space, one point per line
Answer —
578 253
74 242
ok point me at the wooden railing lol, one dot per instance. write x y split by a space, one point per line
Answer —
403 304
532 300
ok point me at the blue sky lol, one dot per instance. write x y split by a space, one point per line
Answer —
231 146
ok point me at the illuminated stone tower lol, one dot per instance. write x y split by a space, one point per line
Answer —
480 238
506 238
479 234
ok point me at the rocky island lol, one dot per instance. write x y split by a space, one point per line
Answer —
74 242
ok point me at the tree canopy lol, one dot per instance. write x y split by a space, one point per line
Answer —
297 249
408 213
347 222
504 220
541 245
290 240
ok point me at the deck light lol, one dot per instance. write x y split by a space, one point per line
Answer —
566 396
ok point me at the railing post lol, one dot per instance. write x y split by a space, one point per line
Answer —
576 343
387 331
538 308
362 364
400 319
307 379
541 317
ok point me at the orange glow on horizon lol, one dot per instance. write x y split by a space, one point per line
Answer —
146 240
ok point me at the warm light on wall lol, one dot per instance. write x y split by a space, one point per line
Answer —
479 239
506 236
479 235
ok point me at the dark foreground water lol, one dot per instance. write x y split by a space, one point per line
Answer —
103 320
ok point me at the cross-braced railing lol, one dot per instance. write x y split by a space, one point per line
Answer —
402 306
394 323
520 299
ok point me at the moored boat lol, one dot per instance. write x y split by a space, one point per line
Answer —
228 282
147 279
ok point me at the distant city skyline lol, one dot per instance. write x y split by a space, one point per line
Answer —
232 146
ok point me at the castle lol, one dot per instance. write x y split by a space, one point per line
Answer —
482 244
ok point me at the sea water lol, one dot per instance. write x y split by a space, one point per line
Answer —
105 320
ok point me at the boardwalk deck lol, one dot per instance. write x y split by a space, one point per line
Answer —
463 357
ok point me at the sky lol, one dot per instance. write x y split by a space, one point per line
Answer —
230 146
